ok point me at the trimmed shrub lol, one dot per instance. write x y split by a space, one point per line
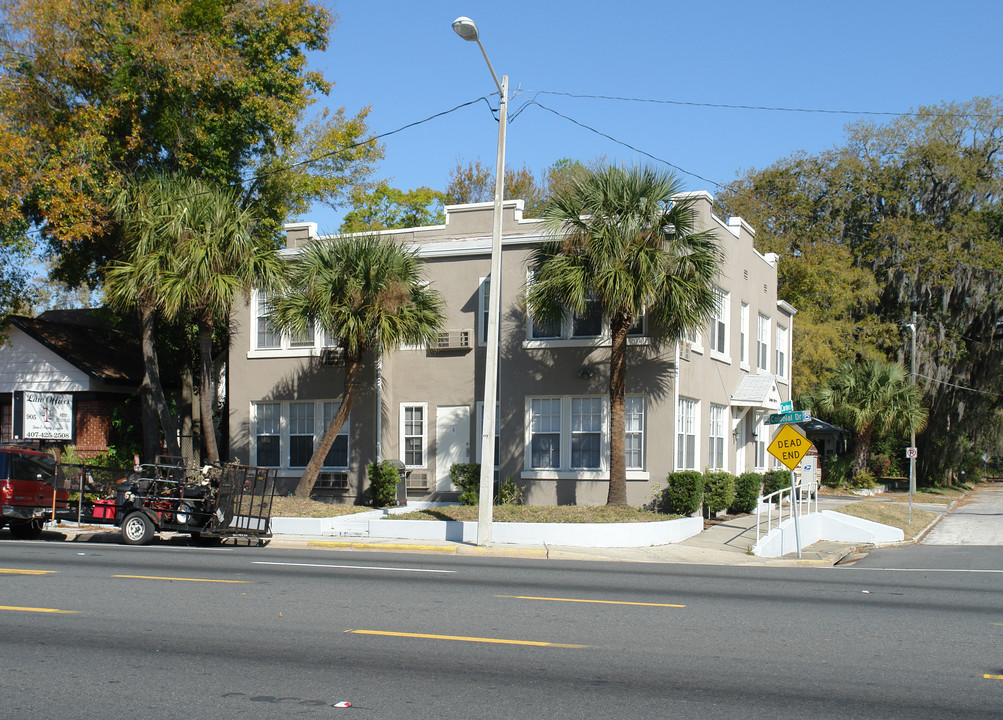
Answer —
774 480
863 481
383 479
685 492
718 491
467 477
747 489
836 471
509 493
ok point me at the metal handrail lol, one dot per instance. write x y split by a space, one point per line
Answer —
806 492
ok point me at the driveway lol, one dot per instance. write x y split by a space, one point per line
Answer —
976 520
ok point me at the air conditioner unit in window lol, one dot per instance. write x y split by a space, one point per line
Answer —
684 350
332 356
332 482
452 340
417 481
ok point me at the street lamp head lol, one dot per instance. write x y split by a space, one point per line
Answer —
465 28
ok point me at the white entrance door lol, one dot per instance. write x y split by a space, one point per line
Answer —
452 442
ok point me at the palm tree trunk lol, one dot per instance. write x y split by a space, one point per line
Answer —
152 393
617 412
206 390
862 450
353 367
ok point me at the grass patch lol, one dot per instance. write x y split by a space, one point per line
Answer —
293 506
540 514
891 514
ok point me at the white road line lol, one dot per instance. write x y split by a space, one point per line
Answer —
924 570
352 567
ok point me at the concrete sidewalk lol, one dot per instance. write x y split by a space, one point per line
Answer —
726 543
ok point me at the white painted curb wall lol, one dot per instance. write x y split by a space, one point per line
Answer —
607 535
825 525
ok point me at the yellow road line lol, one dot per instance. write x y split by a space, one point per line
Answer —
993 677
39 610
601 602
463 638
16 571
183 579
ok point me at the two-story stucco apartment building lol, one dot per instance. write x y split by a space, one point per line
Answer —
692 405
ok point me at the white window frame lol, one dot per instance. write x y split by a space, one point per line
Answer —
761 442
287 346
720 340
272 432
763 343
483 309
404 407
566 471
567 338
743 358
634 423
687 422
716 455
284 434
310 419
782 353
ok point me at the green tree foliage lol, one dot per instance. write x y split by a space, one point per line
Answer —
871 396
905 217
368 292
622 245
383 207
474 182
91 93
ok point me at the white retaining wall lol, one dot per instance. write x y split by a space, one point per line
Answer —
825 525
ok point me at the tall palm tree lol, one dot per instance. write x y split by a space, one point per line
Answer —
134 282
366 291
623 241
871 395
216 256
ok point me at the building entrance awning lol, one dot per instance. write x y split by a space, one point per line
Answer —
758 392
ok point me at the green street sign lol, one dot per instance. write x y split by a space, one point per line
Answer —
786 406
797 416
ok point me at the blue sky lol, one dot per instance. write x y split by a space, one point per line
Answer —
403 59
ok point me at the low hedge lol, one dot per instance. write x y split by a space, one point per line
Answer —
747 489
718 491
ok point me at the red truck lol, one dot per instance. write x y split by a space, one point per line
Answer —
29 493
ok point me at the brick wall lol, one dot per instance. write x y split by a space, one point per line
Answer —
93 421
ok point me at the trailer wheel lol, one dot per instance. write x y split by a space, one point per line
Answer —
137 529
27 530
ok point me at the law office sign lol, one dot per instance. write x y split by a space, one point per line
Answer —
43 416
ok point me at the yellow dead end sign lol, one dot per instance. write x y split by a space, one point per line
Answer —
789 446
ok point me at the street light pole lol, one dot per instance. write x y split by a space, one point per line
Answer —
912 434
467 29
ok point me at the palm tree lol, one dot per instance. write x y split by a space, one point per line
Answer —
871 395
216 256
134 281
625 244
366 291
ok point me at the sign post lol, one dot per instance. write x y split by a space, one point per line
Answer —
789 447
912 453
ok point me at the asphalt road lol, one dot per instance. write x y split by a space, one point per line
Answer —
113 631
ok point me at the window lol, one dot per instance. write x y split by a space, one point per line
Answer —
337 456
545 433
744 336
571 435
590 323
762 436
763 344
715 451
287 433
719 323
634 442
300 433
587 325
268 336
483 305
586 432
686 437
781 352
267 418
413 434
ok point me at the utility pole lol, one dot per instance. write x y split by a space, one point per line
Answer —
912 434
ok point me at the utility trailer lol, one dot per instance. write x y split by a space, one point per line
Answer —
211 503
